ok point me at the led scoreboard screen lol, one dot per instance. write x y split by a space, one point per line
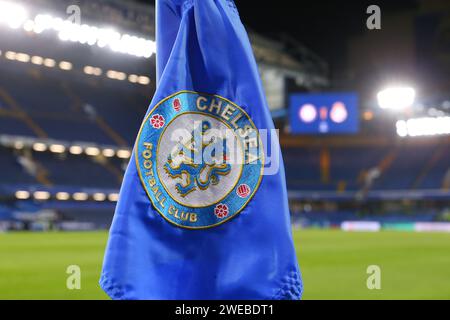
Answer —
324 113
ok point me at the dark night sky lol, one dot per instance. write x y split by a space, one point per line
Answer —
324 26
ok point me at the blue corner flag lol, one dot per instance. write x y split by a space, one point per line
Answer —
203 210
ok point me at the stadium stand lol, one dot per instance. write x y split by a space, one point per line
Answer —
74 111
413 167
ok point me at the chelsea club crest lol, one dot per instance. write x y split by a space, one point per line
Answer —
199 158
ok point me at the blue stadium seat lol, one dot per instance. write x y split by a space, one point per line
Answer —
14 126
12 172
77 171
405 169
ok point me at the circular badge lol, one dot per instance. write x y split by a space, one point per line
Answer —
199 158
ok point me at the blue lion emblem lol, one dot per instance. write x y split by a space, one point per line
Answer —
197 175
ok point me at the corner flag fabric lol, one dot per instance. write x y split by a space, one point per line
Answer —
203 210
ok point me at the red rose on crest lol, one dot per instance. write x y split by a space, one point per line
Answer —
221 210
157 121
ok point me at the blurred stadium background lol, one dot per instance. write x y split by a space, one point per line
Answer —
365 142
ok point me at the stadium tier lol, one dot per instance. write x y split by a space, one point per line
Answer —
70 111
402 167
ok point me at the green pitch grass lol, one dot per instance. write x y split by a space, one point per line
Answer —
334 263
